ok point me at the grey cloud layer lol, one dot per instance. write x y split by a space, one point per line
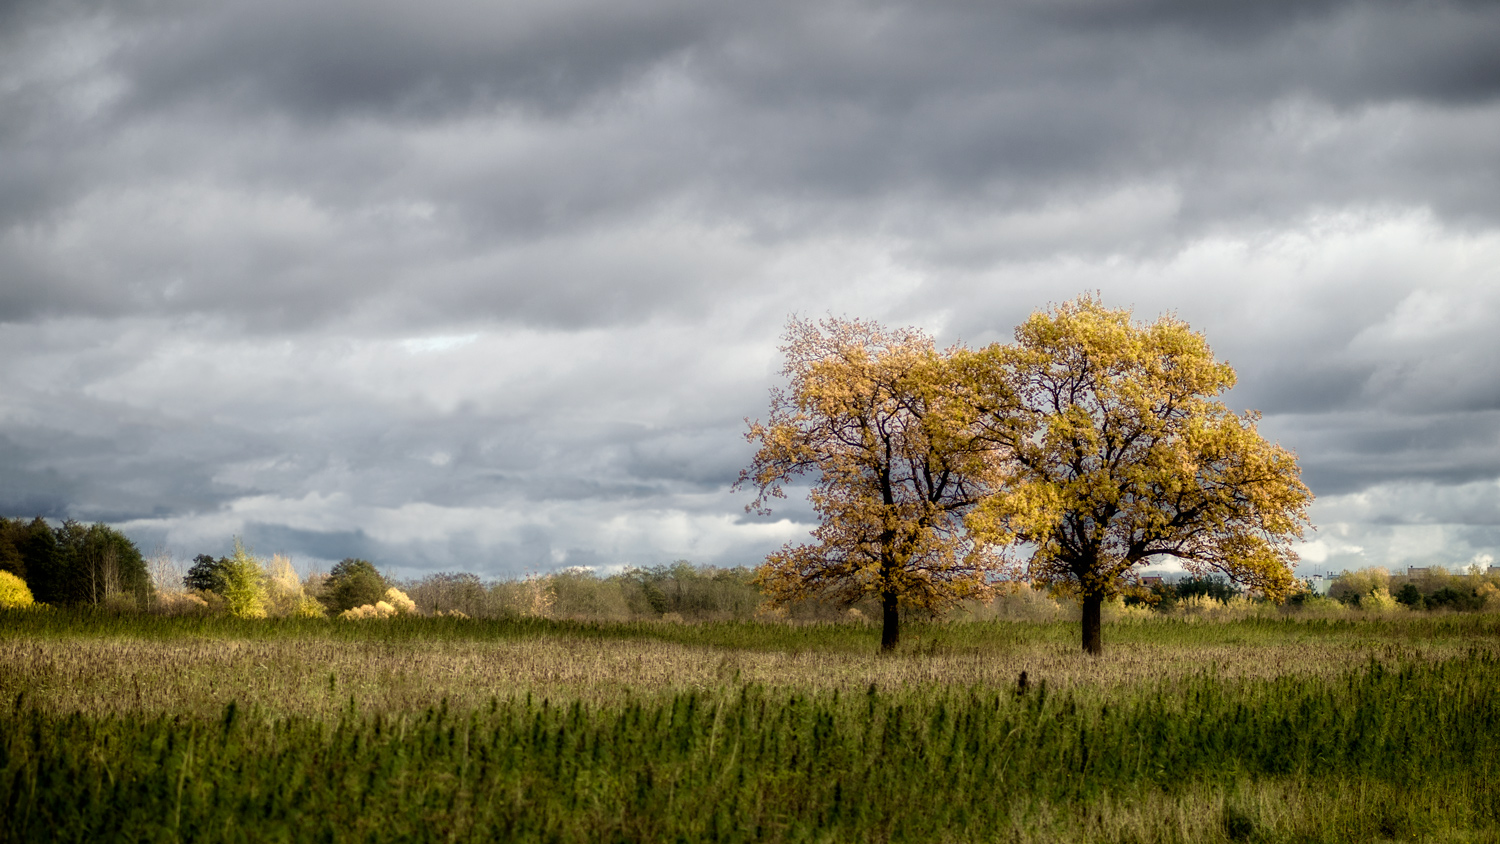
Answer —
525 264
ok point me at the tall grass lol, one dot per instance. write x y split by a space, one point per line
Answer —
1401 751
1266 728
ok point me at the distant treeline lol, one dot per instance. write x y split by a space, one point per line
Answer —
75 563
1431 588
96 565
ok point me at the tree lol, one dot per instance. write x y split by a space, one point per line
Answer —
864 412
11 559
43 560
352 583
206 575
1410 596
74 564
244 583
1110 449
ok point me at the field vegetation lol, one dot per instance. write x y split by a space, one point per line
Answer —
1350 725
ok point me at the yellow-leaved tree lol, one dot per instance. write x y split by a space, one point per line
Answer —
864 412
1111 449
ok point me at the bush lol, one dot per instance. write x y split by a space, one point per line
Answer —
1011 602
1410 595
379 609
1215 588
13 592
1449 598
1351 588
401 601
187 603
1378 600
396 603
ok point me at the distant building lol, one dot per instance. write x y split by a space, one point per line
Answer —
1418 571
1152 580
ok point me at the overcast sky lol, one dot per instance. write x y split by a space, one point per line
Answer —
492 286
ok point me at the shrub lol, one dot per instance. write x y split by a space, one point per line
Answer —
1351 587
13 592
379 609
1410 595
398 599
1378 600
185 603
1489 594
1449 598
1323 605
1216 588
309 607
395 603
1012 602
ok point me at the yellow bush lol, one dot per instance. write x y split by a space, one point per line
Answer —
183 603
1116 610
1489 594
379 609
1378 600
13 592
308 607
398 599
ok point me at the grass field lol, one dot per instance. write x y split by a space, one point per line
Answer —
1260 729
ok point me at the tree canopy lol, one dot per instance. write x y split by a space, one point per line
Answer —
863 412
1110 449
74 563
353 583
1086 448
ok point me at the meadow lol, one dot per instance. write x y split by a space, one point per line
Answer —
1264 728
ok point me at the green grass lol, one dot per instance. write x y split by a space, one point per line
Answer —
131 728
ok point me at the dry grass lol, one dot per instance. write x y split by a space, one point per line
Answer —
317 675
1187 730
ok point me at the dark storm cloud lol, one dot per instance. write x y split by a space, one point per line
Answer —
1348 453
491 287
341 59
351 151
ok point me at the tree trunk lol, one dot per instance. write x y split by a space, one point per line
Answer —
1093 642
890 629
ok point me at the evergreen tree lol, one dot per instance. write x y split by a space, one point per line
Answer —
206 575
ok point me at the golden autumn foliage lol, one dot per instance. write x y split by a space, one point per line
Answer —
862 412
1090 446
14 593
1111 449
